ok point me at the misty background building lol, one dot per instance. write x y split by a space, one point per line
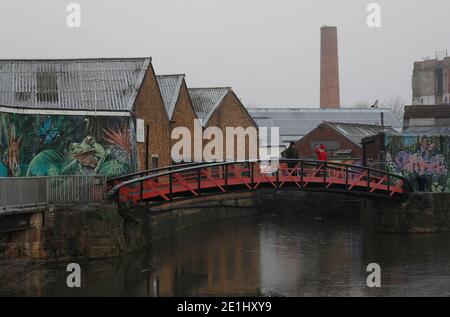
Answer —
431 81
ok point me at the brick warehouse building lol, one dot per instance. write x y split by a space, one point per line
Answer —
220 107
342 140
178 103
295 123
81 116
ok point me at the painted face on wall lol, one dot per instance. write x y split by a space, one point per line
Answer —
88 153
85 152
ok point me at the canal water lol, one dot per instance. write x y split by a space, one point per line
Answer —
263 257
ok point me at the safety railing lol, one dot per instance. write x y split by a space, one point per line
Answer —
76 189
25 192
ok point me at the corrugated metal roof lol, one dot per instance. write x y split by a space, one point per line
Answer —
294 123
357 132
206 100
170 89
74 84
439 130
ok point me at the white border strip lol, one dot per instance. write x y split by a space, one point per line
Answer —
66 112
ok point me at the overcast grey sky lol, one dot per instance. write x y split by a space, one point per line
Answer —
267 50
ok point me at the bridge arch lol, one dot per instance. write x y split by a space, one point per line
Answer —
174 183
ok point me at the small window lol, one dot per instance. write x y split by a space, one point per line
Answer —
440 81
23 96
155 162
47 87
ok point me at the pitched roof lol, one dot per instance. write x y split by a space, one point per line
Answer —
355 132
104 84
170 89
206 100
294 123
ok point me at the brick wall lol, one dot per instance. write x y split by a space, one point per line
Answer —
149 107
374 149
324 134
232 113
184 115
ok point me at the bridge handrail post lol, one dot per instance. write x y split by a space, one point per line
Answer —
141 191
346 176
199 180
171 186
252 174
368 180
278 177
388 184
302 168
226 176
325 172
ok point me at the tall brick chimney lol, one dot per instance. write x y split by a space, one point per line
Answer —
329 69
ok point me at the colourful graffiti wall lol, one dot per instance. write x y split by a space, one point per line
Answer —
420 156
41 145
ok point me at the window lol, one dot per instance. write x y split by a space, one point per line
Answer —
155 161
23 96
439 81
47 87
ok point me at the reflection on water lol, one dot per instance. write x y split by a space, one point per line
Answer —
268 257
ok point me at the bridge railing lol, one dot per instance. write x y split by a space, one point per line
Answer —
120 179
251 175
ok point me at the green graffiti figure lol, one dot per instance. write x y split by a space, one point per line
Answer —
87 153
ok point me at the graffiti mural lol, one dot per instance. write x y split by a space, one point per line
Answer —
420 157
40 145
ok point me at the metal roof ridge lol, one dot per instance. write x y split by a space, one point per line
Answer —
212 88
355 124
318 109
171 75
72 59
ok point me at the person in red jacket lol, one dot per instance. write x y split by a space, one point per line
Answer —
321 153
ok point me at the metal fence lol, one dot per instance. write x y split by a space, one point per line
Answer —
34 191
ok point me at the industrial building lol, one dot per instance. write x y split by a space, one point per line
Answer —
178 104
220 107
295 123
431 82
343 141
429 120
81 116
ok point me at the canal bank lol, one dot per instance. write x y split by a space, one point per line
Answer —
103 230
421 213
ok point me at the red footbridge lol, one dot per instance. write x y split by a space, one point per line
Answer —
192 180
